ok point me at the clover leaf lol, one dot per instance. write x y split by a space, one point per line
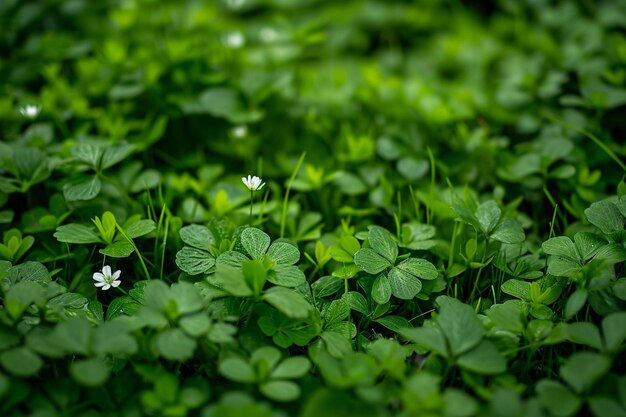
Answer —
266 369
278 258
457 334
195 258
402 280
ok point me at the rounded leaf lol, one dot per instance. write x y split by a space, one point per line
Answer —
89 372
295 367
382 242
381 290
370 261
421 268
198 236
283 253
255 241
404 285
280 390
236 369
21 361
194 261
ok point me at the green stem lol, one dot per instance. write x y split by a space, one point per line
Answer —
251 200
143 264
283 216
588 134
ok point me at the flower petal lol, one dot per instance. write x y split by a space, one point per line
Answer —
98 276
106 287
116 274
116 283
100 284
106 271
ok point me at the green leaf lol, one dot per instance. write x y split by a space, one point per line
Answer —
195 325
508 231
76 233
459 324
29 271
403 285
119 249
255 241
288 302
557 399
421 268
583 369
175 345
280 390
562 267
113 338
283 253
21 361
21 295
194 261
382 242
187 297
287 276
254 274
458 404
84 190
588 244
393 323
575 302
290 368
428 337
73 336
584 333
197 236
237 370
89 153
488 215
231 258
231 280
606 407
614 330
357 302
89 372
381 290
370 261
115 153
507 316
335 312
329 402
606 216
139 228
483 359
337 344
561 246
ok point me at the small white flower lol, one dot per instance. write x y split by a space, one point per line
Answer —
268 34
253 183
105 279
30 111
240 131
234 40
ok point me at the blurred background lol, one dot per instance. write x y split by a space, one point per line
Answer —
374 91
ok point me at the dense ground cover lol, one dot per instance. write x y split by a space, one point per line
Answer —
439 228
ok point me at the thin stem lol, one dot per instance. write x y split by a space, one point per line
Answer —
251 199
588 134
143 264
283 216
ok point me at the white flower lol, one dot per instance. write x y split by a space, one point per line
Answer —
253 183
239 131
30 111
268 34
105 279
234 40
